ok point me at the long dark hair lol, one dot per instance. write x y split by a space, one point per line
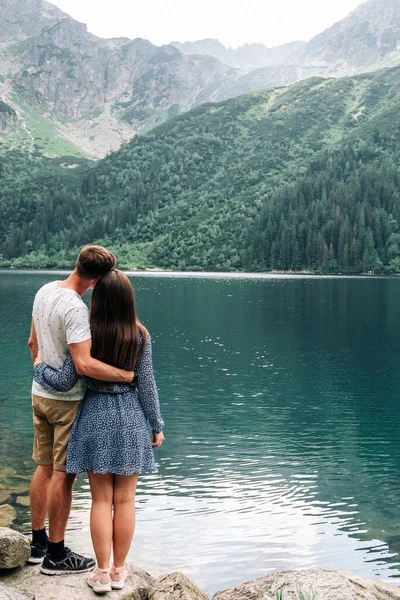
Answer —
113 321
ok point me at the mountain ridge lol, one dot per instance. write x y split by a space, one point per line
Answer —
247 57
96 93
368 38
76 94
372 29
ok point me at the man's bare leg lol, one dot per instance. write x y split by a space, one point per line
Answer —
60 559
59 505
39 495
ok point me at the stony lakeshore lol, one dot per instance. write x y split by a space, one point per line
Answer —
19 581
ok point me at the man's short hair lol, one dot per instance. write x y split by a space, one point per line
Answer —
94 261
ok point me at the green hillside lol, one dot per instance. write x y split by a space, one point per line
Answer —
304 177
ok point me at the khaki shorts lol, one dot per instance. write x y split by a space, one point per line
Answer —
52 422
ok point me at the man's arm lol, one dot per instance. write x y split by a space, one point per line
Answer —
33 343
85 364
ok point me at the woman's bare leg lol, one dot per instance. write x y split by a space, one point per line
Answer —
101 522
124 516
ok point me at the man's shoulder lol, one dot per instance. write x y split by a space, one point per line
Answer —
44 291
52 285
52 292
74 302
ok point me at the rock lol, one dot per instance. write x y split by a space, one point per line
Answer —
17 485
13 484
17 488
4 496
8 117
6 472
7 515
175 586
23 500
74 587
14 548
321 584
7 593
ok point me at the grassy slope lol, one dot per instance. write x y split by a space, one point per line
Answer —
36 132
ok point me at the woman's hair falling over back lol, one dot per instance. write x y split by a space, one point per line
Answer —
114 325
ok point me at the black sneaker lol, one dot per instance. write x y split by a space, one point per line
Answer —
38 552
70 563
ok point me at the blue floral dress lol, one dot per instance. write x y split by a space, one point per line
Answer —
111 431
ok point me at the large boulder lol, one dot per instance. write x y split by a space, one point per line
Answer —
7 515
175 586
7 593
74 587
14 548
321 584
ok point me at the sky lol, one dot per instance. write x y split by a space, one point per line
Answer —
270 22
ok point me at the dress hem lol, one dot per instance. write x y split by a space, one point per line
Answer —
108 472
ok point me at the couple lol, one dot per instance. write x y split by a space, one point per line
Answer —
93 397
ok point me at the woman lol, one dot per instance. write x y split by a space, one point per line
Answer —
110 438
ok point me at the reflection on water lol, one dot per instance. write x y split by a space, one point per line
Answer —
280 397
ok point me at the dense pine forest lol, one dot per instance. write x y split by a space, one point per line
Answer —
302 178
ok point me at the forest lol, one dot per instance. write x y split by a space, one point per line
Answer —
303 178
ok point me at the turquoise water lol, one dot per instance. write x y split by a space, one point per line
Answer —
281 402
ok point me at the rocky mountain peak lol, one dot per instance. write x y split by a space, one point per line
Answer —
369 37
246 57
206 47
380 14
20 20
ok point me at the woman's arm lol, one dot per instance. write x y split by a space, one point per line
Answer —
61 380
147 389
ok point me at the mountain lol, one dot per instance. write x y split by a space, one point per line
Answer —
366 40
71 93
267 77
302 177
88 95
207 47
246 57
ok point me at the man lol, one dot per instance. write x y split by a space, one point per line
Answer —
60 323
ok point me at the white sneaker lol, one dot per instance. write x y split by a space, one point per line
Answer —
118 576
94 581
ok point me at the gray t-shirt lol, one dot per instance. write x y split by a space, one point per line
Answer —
61 318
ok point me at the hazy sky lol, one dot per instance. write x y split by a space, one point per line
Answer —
271 22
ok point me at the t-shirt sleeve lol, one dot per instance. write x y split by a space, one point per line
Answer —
77 324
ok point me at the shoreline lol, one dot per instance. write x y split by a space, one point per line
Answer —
27 583
215 274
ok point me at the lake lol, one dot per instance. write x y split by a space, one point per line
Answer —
281 401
